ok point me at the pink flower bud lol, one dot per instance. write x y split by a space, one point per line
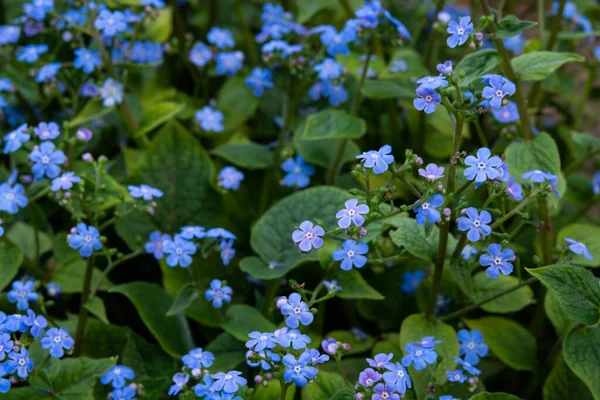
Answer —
346 347
67 195
479 36
196 372
362 232
258 379
447 212
269 375
281 301
87 157
84 134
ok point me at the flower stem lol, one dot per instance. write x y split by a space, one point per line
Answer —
340 367
85 296
515 210
547 236
439 5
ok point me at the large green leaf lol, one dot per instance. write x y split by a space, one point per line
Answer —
93 111
562 384
185 296
237 103
272 234
476 64
10 260
539 65
510 26
417 241
327 385
96 307
152 303
557 313
159 28
155 114
484 287
333 124
228 352
272 390
77 375
382 89
245 155
306 9
240 320
581 350
587 234
354 286
503 336
23 236
576 289
70 277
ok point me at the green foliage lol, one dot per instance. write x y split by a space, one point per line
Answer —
333 124
562 383
510 26
539 65
10 261
477 64
240 320
484 287
245 155
587 234
417 241
581 350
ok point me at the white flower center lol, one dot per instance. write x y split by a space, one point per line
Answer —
57 339
308 235
499 93
297 310
262 338
460 31
498 260
418 353
10 196
297 369
87 238
179 251
350 253
481 165
428 98
45 159
470 345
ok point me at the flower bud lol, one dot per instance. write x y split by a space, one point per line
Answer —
362 232
196 372
447 212
87 157
346 347
258 379
84 134
281 301
479 36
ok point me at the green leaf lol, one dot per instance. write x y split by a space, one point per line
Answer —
159 29
354 286
10 260
557 313
460 271
77 376
484 287
581 350
272 391
307 9
185 296
576 289
357 345
100 340
70 277
494 396
152 303
96 307
237 103
416 327
333 124
93 111
272 235
587 234
539 65
156 114
245 155
417 241
240 320
325 387
476 64
23 236
562 384
261 270
510 26
503 336
382 89
228 352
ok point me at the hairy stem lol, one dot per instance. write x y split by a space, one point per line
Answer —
83 315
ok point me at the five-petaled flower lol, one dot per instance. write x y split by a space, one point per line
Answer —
498 88
117 376
351 254
198 358
144 192
308 236
475 223
427 99
352 214
57 340
218 293
228 382
432 172
427 211
579 248
459 32
497 261
378 160
483 167
46 160
22 293
299 371
85 238
397 376
472 346
296 312
179 251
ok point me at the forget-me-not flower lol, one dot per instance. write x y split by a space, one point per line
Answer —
220 38
87 60
31 52
144 192
380 360
432 82
369 377
296 312
498 88
230 178
259 80
227 251
352 214
22 293
19 362
467 366
117 375
514 189
497 261
411 281
475 223
47 131
385 392
337 42
209 119
155 244
378 160
260 341
472 346
299 371
111 92
179 381
329 69
46 160
456 376
483 167
86 239
418 356
308 236
200 54
459 32
57 340
198 358
218 294
228 64
397 376
109 23
47 72
15 139
36 323
351 254
428 210
64 182
180 251
427 99
126 393
298 172
432 172
579 248
228 382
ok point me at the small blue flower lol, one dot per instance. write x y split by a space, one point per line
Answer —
482 167
506 114
378 160
179 381
298 371
180 251
308 236
15 139
369 377
432 172
317 358
332 286
336 94
47 131
432 82
31 52
537 176
385 392
6 344
218 294
467 366
475 223
227 251
337 43
12 198
19 362
220 38
445 68
6 85
296 312
9 34
228 382
46 160
230 178
200 54
497 89
398 65
497 261
260 341
397 376
351 254
514 189
202 390
144 192
428 342
117 376
418 356
400 27
329 69
38 9
427 99
216 233
127 393
53 289
596 183
442 304
153 3
456 376
198 358
368 14
64 182
293 338
191 232
298 172
111 92
47 72
209 119
110 23
468 251
259 80
515 43
84 238
411 281
87 60
228 64
22 293
352 214
36 323
579 248
428 210
472 346
57 340
459 32
155 244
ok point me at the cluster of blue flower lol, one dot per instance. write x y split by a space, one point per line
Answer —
117 377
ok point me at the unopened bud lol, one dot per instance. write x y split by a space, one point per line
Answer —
87 157
84 134
281 301
447 212
479 36
196 372
258 379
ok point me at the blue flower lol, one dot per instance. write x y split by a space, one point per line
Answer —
418 356
378 160
456 376
218 294
468 251
428 210
200 54
229 64
467 366
38 9
445 68
111 92
537 176
432 172
15 139
46 160
432 82
351 254
514 189
191 232
296 312
6 344
404 33
47 131
427 99
220 38
397 376
6 85
155 244
198 358
385 392
459 32
19 362
53 289
230 178
298 172
84 238
472 346
264 356
482 167
64 182
179 381
117 375
145 192
22 294
227 251
352 214
369 377
298 370
411 281
329 69
87 60
12 198
316 357
180 251
259 80
579 248
9 34
336 94
428 342
332 285
153 3
110 23
127 393
57 340
497 261
398 65
497 89
293 338
37 323
337 43
47 72
217 233
260 341
368 14
515 43
506 114
476 224
31 52
206 389
228 382
596 183
308 236
16 323
209 119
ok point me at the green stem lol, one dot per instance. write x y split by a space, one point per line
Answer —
461 189
340 367
112 266
248 38
547 237
583 101
556 25
270 293
283 386
83 315
480 133
439 5
514 210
